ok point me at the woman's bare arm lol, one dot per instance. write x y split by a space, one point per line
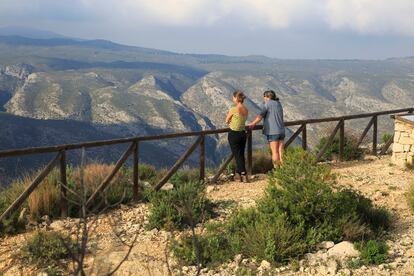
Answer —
255 121
228 118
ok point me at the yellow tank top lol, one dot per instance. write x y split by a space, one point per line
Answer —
238 121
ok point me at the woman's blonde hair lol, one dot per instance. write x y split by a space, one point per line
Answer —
239 96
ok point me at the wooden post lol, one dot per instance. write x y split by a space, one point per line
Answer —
202 157
222 168
341 140
177 164
249 152
387 145
328 143
375 135
63 186
109 178
293 137
364 133
304 138
135 189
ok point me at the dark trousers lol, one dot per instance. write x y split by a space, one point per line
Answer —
237 141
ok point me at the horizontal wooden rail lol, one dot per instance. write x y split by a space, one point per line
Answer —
36 150
134 149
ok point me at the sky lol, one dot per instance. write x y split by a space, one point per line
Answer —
290 29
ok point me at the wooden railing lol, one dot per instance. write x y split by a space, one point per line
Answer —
133 149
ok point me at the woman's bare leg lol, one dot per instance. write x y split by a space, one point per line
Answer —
274 147
281 151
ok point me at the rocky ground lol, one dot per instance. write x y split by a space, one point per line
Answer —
376 178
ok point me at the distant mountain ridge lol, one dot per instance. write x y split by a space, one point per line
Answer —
125 91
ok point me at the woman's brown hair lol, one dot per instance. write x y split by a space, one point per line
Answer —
239 96
271 95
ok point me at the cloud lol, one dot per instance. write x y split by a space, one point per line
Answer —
363 16
269 13
371 16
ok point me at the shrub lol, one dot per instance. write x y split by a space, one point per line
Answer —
386 137
373 252
302 206
179 207
351 151
211 247
410 196
147 172
46 248
185 175
265 237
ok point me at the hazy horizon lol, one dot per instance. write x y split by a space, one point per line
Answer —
295 29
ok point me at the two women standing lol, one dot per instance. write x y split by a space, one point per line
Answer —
273 128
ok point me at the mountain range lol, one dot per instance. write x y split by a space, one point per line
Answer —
57 90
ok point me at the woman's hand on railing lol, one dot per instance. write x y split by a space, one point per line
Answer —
251 125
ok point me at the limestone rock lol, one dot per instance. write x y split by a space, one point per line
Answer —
343 250
167 187
57 225
264 266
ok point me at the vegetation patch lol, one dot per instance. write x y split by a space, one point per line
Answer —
302 207
351 151
410 197
46 249
386 137
15 223
262 162
185 205
373 252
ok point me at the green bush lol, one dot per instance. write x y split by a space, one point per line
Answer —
410 197
302 206
351 151
386 137
147 172
186 203
373 252
46 248
185 175
211 247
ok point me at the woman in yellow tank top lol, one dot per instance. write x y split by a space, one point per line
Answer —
236 119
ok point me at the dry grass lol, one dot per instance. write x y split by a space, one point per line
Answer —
410 197
93 175
45 198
